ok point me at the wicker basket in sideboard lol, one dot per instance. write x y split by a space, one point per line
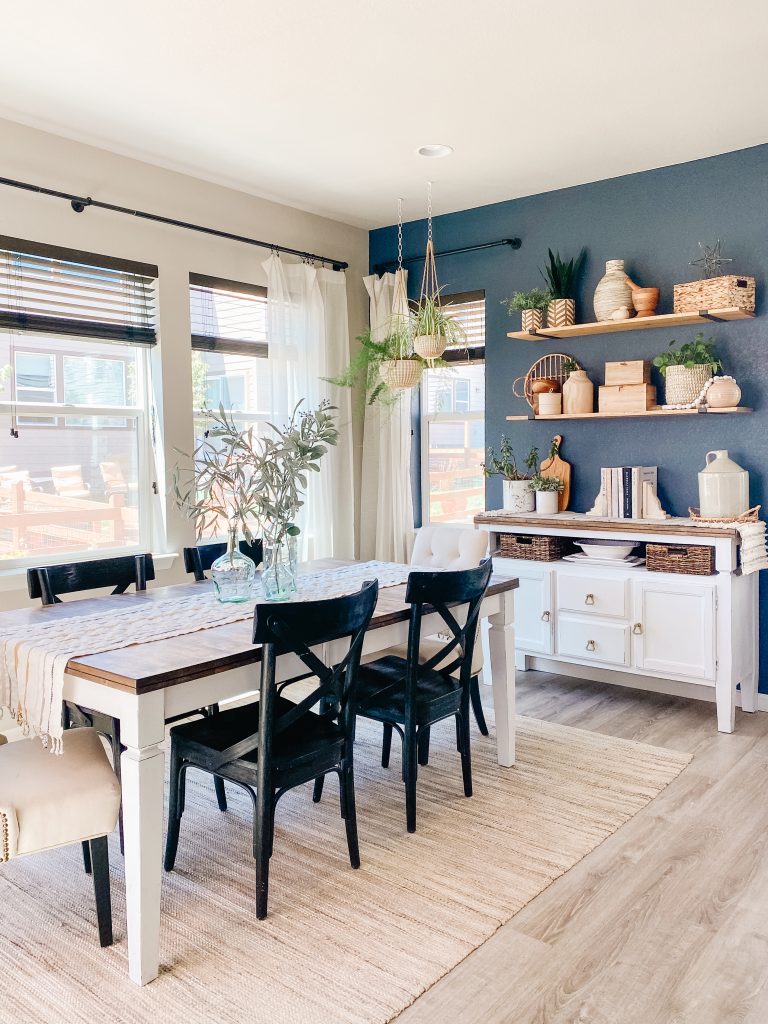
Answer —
535 549
693 560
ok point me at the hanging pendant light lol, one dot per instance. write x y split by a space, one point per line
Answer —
430 340
404 369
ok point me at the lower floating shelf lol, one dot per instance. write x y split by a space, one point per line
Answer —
657 413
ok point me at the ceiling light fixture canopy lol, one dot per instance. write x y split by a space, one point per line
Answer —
435 151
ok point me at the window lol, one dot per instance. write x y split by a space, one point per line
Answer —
74 332
453 422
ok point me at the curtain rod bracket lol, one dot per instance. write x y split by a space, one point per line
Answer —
79 205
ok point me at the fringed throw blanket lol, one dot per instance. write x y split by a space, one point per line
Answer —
32 666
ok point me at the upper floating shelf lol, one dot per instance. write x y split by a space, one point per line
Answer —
642 323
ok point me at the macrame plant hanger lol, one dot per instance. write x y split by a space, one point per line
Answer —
430 342
403 370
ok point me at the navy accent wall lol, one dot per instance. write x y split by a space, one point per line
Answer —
654 221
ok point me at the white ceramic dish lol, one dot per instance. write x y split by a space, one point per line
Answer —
614 550
632 562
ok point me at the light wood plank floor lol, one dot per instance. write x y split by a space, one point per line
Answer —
667 921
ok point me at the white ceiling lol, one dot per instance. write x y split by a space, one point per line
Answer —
322 105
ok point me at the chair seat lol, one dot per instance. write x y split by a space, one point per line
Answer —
301 739
49 800
429 646
381 692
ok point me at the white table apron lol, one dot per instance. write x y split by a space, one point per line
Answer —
142 731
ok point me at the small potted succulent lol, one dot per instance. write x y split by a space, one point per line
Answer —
517 495
434 329
547 490
531 305
687 370
561 278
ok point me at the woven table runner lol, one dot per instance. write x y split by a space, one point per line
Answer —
32 665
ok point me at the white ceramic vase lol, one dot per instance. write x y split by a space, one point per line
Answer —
517 496
613 292
578 394
548 502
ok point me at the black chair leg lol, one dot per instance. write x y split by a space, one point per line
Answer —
317 792
410 772
262 845
87 858
221 793
386 746
424 745
458 734
477 705
175 809
462 721
99 851
349 813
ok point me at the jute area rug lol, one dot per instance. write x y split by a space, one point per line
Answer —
339 946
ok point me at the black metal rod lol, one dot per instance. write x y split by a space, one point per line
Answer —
513 243
80 203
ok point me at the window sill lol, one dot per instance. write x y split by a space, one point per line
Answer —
16 579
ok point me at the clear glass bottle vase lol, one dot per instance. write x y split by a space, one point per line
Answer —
278 576
233 572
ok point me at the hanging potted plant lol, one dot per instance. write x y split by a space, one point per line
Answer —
434 329
532 305
515 487
561 278
687 371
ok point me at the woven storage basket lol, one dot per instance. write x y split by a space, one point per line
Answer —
684 384
401 373
535 549
722 292
698 560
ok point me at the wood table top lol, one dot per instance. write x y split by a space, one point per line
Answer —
162 663
580 522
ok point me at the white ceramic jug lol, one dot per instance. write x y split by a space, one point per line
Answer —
723 487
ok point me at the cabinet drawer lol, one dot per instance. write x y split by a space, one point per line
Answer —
593 595
593 640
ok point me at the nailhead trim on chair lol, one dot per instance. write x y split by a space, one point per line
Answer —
5 851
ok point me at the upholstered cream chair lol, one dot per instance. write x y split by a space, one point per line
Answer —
444 547
49 800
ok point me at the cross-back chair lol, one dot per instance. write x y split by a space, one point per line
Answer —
274 745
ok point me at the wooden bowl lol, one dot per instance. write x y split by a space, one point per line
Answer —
645 301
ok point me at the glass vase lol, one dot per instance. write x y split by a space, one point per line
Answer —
233 573
278 576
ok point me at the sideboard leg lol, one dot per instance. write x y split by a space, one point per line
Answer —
725 695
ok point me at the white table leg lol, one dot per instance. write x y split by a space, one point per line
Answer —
143 774
501 642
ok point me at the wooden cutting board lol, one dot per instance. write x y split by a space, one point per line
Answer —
560 469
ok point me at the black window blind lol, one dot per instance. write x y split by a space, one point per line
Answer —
228 316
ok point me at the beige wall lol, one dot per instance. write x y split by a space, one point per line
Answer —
54 162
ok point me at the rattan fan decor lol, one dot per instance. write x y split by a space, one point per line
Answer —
549 367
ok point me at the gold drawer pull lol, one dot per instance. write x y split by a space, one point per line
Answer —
545 616
637 629
591 645
589 599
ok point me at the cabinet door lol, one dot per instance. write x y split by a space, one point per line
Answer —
674 629
533 610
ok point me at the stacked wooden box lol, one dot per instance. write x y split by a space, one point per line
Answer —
627 388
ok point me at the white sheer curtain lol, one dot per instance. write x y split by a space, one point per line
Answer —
386 512
308 338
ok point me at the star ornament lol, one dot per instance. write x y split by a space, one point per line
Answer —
710 260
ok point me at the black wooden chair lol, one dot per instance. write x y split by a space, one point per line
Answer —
411 696
50 581
198 560
275 745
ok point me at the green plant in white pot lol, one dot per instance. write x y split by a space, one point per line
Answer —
687 370
547 490
517 495
531 305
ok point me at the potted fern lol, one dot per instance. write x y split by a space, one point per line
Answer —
531 305
434 329
687 370
517 495
561 278
381 370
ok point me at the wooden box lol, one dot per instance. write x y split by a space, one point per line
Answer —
626 398
628 371
724 292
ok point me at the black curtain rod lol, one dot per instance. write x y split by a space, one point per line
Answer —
80 203
513 243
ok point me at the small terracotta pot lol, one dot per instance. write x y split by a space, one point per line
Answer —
645 300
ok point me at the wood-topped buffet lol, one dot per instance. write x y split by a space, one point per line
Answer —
664 631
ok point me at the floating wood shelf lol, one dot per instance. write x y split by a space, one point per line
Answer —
643 323
657 413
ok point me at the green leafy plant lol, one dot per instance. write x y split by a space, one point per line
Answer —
561 277
254 483
430 318
699 352
545 483
536 298
569 365
505 462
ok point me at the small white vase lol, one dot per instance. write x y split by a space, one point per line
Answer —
517 496
548 502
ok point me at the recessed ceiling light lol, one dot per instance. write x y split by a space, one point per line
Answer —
435 151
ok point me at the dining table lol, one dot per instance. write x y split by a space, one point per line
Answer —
146 684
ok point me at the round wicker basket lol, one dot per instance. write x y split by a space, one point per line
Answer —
548 367
401 373
429 346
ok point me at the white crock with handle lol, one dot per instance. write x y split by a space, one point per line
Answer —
723 487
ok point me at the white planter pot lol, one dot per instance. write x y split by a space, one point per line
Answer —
547 502
429 346
517 496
